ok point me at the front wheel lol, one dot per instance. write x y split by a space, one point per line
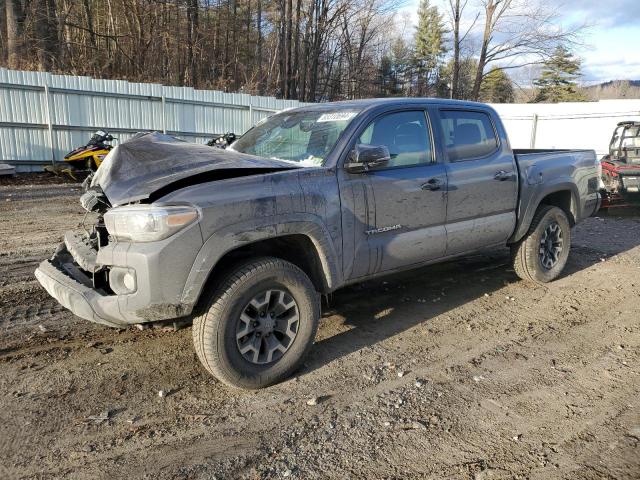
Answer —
258 325
542 254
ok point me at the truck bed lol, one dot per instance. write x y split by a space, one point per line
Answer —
536 165
562 162
544 171
524 151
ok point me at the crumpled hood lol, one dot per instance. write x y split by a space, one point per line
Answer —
152 162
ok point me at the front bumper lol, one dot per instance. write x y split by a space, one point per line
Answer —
161 271
73 294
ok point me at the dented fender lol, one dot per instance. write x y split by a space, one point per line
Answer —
234 236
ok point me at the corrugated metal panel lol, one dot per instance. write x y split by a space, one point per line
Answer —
77 106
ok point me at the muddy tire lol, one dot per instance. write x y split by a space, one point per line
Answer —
258 325
542 254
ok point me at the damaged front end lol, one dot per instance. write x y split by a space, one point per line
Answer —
73 275
66 278
132 266
109 280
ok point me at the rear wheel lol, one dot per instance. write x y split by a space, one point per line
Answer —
542 254
258 325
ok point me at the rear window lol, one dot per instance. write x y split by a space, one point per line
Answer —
467 134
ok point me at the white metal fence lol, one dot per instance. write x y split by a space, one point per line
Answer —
566 125
44 116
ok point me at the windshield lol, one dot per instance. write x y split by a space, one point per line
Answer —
302 137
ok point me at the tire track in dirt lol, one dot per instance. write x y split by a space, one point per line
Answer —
535 388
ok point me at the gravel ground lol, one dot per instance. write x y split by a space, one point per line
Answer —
32 179
457 371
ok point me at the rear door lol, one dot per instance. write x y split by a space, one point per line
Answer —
398 212
482 181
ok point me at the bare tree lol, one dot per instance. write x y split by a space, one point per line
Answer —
14 17
45 26
259 48
363 25
3 32
518 33
192 41
456 11
306 49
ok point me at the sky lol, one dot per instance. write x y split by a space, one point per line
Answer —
611 42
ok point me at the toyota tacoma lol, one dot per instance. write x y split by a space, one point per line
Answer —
246 240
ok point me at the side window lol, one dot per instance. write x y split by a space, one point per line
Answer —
467 134
405 134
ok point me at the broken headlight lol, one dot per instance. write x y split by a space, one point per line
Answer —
146 223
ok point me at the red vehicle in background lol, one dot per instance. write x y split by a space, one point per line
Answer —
621 167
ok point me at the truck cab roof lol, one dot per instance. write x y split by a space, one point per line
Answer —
369 103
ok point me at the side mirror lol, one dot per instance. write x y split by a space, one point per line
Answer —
367 157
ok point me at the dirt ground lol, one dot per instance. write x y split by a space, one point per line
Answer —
457 371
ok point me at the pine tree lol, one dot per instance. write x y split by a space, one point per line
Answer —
557 82
429 47
401 67
496 87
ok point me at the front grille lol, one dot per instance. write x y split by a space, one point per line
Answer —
82 252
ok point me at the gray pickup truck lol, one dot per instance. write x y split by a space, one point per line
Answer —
245 240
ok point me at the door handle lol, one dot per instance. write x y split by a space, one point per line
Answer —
503 175
432 185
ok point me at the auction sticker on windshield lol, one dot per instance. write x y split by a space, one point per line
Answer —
336 116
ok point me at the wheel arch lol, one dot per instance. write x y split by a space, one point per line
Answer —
563 195
305 244
565 200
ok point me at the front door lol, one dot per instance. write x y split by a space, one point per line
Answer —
483 188
396 214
